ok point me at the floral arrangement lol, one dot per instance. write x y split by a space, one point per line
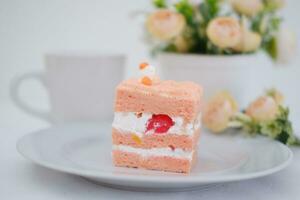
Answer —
219 27
265 116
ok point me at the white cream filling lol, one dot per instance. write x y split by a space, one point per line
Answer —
130 122
176 153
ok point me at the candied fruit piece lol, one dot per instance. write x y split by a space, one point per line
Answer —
136 139
146 80
159 123
143 65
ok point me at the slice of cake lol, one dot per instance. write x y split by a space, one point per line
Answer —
156 124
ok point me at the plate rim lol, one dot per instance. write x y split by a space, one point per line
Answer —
185 178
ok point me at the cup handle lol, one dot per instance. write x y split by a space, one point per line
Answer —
15 95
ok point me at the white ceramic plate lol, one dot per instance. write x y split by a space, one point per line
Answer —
84 149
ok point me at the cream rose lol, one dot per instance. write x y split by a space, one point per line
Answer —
276 95
181 44
247 7
263 109
218 111
250 41
165 24
224 32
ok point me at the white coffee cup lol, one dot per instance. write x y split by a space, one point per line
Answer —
80 86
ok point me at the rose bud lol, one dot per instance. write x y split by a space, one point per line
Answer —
218 111
224 32
262 109
165 24
247 7
250 41
276 95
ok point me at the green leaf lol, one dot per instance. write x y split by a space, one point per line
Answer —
271 48
186 9
170 48
280 128
209 9
257 22
271 129
248 124
267 24
283 137
159 3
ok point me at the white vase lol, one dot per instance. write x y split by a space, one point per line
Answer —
244 76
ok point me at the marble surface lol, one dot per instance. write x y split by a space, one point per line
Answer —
20 179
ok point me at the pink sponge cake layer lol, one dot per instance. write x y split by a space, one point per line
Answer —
157 126
162 163
163 97
184 142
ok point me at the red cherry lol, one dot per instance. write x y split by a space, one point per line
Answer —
159 123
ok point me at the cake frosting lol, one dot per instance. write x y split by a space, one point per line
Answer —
130 122
176 153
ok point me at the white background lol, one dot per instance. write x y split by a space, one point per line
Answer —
31 28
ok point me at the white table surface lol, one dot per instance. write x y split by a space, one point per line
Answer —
21 179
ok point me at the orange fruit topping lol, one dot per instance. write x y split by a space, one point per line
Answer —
136 139
146 80
138 115
143 65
